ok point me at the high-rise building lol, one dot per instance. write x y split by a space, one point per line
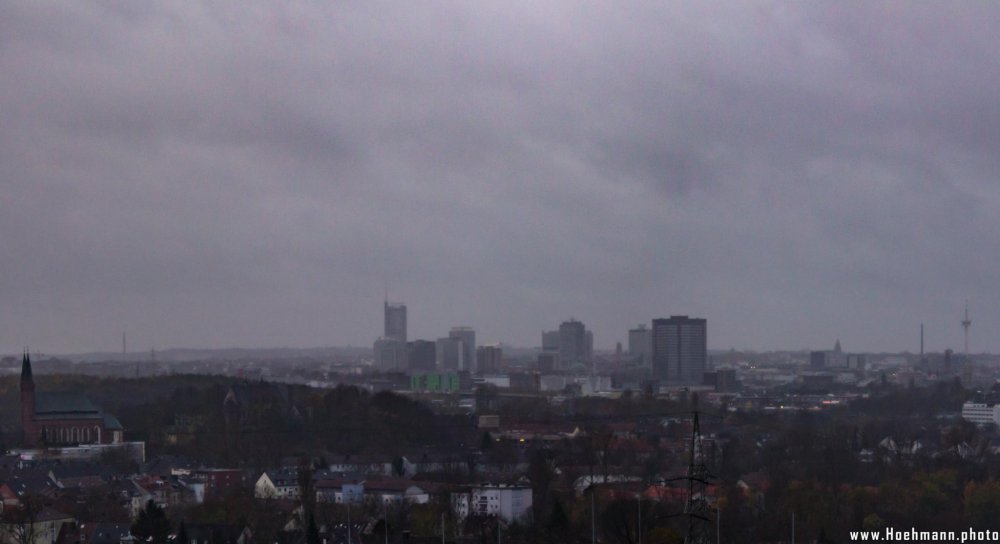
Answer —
819 359
489 359
723 380
467 336
639 345
548 361
450 355
829 359
550 340
395 321
680 349
390 355
856 362
575 344
421 355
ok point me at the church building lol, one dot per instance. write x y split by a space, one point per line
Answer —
62 419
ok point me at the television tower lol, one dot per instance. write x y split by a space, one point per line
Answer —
966 323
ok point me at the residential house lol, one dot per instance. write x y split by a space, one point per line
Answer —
508 502
282 483
42 527
217 533
340 490
397 490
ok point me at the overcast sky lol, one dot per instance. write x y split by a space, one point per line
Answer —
251 175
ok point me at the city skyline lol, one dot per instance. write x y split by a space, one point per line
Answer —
390 309
218 176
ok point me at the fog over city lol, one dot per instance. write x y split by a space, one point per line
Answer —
253 175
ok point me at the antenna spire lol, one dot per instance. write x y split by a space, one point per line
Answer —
921 341
966 323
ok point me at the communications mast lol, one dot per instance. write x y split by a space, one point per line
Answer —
966 323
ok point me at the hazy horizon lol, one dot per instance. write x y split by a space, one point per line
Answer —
163 352
253 174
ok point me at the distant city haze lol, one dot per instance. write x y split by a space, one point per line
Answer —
253 175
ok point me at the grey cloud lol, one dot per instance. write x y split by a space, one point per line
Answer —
211 176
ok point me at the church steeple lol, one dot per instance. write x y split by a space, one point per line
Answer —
27 381
29 428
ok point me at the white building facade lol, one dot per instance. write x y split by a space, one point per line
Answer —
981 413
507 502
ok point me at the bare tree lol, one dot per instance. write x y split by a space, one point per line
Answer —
20 522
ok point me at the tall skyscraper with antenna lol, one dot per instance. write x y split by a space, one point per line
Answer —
390 348
966 323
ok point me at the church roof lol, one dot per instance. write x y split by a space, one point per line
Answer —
57 405
111 423
64 406
51 514
72 406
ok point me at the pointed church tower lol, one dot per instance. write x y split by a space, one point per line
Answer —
30 436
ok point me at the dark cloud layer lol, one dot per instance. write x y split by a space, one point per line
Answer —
250 175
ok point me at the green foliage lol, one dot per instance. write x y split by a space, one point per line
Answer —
184 415
541 474
664 535
619 521
425 519
182 536
873 522
152 525
982 503
558 527
809 460
312 532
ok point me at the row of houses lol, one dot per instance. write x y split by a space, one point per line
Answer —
508 502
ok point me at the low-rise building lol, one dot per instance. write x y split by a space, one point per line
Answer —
362 464
395 491
42 528
218 482
340 490
981 413
278 484
507 502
